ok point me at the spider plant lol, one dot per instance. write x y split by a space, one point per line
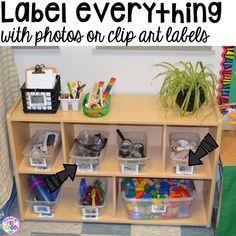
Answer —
186 84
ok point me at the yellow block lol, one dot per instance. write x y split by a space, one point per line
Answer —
157 202
139 188
143 183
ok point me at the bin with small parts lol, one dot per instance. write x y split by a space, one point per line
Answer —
92 196
39 198
180 143
88 150
157 198
43 148
132 151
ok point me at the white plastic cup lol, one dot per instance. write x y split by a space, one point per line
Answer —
75 104
64 104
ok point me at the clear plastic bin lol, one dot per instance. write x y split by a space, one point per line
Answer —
131 164
91 162
41 207
42 159
93 211
160 209
179 159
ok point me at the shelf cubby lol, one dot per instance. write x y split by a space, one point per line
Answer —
67 208
109 164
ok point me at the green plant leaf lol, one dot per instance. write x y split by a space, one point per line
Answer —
185 77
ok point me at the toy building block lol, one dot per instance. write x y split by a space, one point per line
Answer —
130 186
131 193
99 185
157 202
175 187
100 197
147 187
186 193
146 196
140 179
139 188
153 193
139 194
143 183
127 180
93 197
164 188
179 190
174 195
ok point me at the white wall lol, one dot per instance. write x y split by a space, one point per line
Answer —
133 70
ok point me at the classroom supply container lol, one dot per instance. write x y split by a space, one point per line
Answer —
179 159
41 100
67 102
93 211
88 161
95 111
160 209
43 159
42 207
130 164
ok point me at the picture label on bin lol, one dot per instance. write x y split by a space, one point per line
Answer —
129 168
46 215
90 213
38 162
41 209
38 168
184 170
84 167
158 209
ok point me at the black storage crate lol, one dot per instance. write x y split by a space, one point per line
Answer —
41 100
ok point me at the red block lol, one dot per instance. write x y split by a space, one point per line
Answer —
139 194
186 193
179 190
140 179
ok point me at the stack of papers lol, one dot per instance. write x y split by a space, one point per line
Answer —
40 81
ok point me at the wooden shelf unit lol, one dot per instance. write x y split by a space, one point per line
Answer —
129 113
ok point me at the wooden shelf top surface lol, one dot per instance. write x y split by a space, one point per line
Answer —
126 109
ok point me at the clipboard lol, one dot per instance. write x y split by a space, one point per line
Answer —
40 77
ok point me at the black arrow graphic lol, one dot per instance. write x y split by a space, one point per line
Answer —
55 181
207 145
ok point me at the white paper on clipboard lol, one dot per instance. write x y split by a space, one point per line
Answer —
41 81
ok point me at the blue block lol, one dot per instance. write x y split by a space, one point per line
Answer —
130 186
130 195
146 196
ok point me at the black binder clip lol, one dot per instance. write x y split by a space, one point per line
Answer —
38 69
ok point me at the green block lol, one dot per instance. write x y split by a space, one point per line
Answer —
128 180
153 193
131 191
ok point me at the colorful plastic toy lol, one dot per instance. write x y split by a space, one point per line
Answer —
92 195
157 198
38 186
